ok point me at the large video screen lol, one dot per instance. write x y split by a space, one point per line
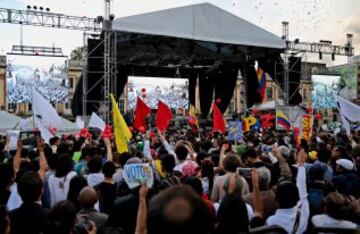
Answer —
174 92
47 75
324 88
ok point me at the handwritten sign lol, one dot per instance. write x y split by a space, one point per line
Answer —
235 131
138 174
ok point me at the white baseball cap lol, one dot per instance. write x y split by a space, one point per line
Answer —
346 164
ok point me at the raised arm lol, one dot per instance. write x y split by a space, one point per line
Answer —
285 172
301 185
301 175
165 143
17 157
141 227
146 150
257 201
222 157
109 153
42 160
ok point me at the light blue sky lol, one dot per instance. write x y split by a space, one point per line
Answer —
310 20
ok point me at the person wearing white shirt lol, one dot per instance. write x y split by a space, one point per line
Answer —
59 183
335 205
293 213
95 176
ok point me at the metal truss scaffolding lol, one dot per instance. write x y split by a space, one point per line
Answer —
49 19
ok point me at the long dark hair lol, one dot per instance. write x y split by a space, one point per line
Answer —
64 165
232 215
77 183
207 170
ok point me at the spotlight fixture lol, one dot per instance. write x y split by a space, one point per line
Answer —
35 7
28 7
41 8
47 9
297 40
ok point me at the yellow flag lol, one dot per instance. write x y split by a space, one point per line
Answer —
192 113
121 130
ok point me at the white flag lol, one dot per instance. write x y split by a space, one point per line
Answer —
45 112
346 124
96 122
348 109
45 132
79 122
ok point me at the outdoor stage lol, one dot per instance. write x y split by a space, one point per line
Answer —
199 42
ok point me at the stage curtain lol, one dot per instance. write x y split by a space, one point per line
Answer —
251 84
122 79
206 84
192 89
77 101
225 83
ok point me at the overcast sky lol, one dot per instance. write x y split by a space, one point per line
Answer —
310 20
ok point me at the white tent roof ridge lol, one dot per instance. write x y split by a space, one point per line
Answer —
203 22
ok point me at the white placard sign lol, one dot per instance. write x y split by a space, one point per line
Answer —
137 174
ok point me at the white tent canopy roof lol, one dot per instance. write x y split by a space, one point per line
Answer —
68 126
8 121
203 22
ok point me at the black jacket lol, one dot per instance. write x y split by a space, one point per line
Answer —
28 218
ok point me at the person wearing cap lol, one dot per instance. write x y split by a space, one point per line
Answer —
345 179
336 207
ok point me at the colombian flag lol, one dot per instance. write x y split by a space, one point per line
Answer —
283 120
262 82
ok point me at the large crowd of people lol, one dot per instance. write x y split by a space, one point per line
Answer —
52 90
203 183
174 101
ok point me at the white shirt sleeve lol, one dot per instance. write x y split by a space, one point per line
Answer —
250 211
305 210
168 148
52 190
146 150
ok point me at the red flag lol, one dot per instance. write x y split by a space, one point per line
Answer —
218 120
163 117
141 112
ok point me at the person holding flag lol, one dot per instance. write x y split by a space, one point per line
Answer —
192 119
121 131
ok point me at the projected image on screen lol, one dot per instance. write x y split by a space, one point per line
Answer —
174 92
47 75
324 88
